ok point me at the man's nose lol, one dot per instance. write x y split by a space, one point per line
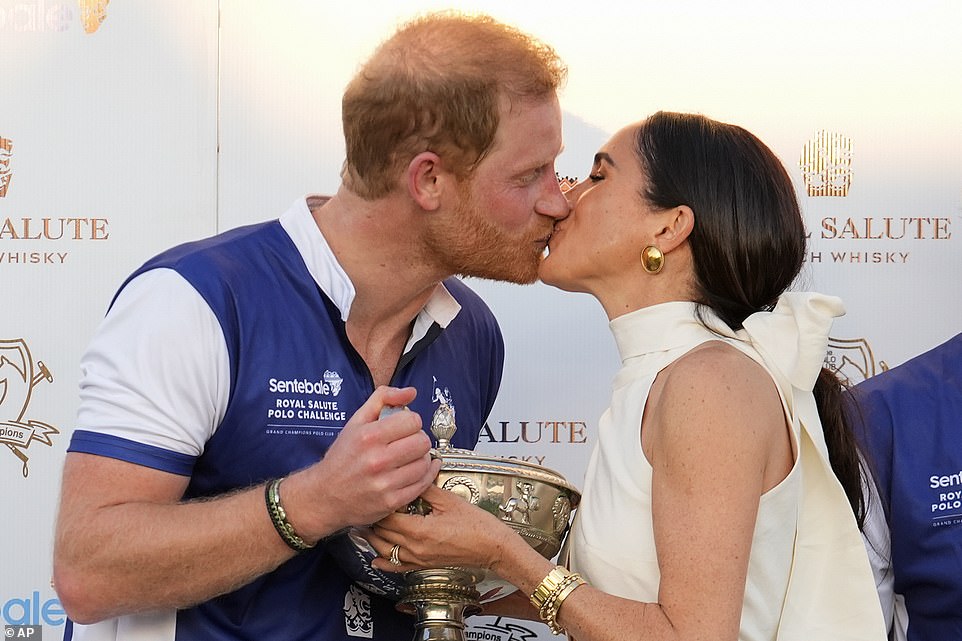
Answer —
553 202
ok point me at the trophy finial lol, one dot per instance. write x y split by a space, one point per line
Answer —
442 423
443 426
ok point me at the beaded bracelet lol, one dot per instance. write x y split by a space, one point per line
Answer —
278 516
551 593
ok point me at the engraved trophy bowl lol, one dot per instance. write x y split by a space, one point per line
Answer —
535 501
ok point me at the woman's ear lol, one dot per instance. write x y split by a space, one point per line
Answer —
678 224
426 179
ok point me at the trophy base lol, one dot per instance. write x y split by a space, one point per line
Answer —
440 599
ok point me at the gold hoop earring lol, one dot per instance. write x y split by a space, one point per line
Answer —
652 259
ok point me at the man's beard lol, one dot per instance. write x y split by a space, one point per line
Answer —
474 246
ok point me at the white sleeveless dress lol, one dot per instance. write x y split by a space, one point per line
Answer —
808 577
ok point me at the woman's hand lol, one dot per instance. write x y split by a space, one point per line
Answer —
454 533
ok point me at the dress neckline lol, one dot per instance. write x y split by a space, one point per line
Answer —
663 327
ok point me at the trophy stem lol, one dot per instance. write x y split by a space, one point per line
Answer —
440 599
440 624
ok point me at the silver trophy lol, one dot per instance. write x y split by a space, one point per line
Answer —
534 500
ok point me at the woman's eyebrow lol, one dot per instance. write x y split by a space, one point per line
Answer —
603 156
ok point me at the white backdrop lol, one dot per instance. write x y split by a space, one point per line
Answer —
173 120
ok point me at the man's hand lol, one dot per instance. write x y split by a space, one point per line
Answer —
375 466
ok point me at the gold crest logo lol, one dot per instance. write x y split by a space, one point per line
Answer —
19 374
565 182
6 155
852 360
826 164
93 13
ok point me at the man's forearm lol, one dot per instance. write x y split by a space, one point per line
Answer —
150 554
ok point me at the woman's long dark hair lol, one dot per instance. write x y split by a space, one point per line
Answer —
748 242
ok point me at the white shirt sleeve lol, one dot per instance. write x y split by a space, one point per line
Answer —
157 370
875 535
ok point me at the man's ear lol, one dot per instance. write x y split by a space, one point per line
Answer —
678 223
426 180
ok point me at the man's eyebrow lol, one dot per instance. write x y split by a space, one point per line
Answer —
601 155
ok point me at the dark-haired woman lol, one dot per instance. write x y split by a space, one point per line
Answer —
723 499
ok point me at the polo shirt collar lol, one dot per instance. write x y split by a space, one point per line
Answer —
297 221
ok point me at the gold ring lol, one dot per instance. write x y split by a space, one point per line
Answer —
394 560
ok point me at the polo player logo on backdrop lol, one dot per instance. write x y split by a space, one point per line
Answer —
93 13
18 376
6 156
826 164
852 360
